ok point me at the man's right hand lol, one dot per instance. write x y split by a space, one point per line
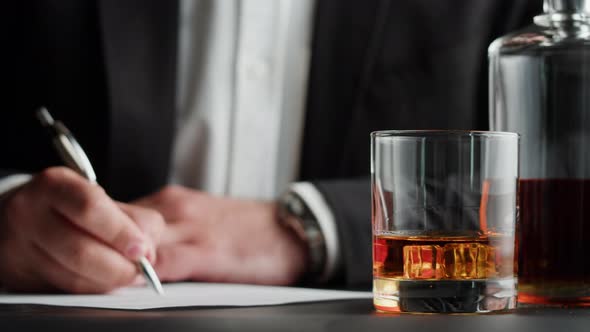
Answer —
60 232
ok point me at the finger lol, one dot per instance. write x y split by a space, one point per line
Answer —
199 263
149 221
181 232
182 261
90 209
163 196
147 202
139 281
173 202
83 255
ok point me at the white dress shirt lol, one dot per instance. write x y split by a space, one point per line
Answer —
242 78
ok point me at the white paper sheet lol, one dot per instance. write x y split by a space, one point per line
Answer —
188 294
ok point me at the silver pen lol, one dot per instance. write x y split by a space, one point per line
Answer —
74 157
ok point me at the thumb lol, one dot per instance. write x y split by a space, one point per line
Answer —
149 221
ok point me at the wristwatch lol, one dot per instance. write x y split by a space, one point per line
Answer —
294 214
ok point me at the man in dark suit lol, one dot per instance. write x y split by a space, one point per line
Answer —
107 69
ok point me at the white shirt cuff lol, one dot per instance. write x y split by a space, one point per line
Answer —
319 207
11 182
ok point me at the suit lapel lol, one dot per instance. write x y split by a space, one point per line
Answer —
139 45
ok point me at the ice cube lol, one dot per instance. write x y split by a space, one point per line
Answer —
469 261
423 262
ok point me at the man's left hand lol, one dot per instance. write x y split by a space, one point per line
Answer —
218 239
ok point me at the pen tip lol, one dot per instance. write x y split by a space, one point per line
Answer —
150 275
44 117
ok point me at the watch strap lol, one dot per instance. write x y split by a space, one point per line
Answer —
295 214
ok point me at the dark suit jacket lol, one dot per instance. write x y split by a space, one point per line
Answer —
107 69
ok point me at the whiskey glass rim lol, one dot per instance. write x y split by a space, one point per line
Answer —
426 133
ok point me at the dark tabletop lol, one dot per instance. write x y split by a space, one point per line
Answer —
337 316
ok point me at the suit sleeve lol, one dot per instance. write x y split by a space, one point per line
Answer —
350 202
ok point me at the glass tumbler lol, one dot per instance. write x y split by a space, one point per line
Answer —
444 215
